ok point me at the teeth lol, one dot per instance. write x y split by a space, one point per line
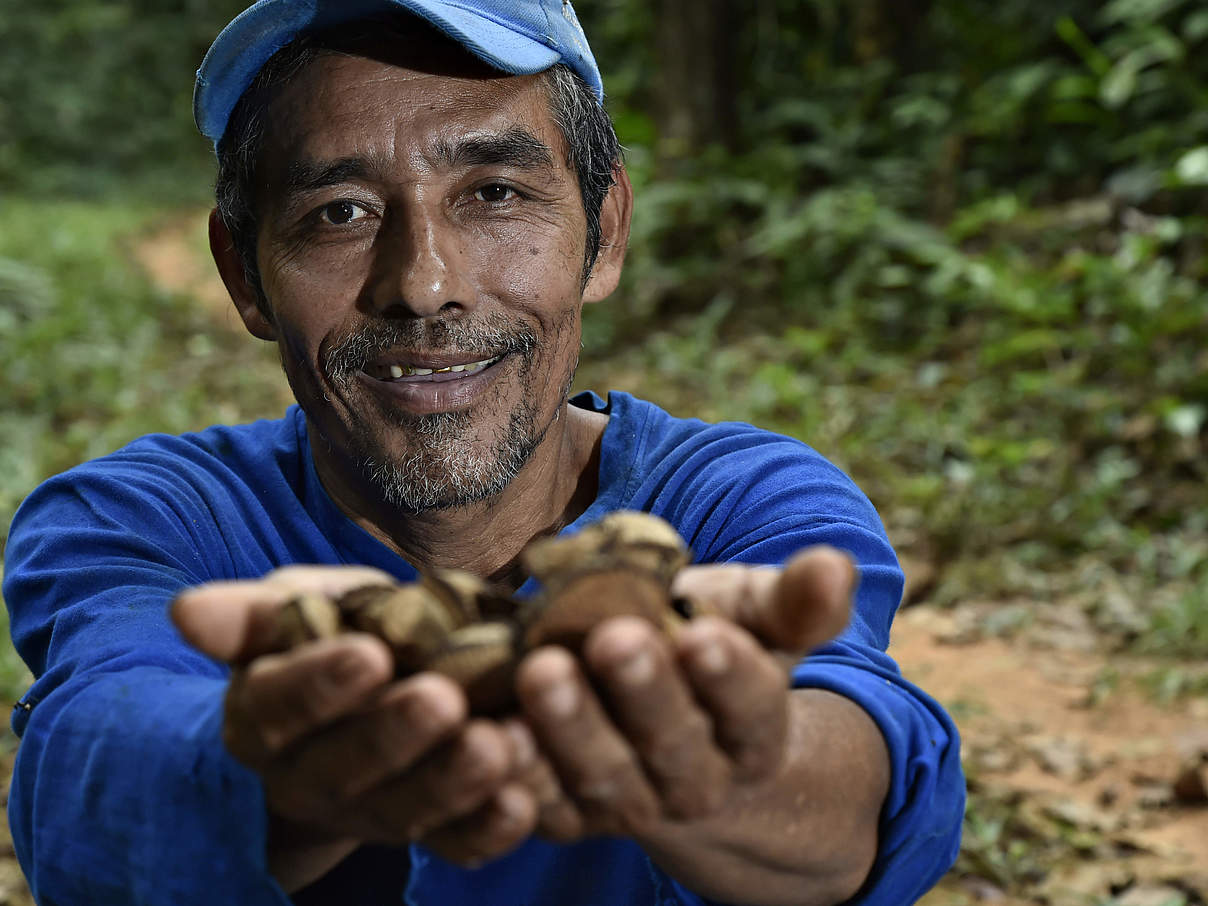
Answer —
399 371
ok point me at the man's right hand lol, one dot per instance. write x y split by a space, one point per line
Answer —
348 755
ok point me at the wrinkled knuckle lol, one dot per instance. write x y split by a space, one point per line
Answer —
756 762
675 749
602 782
638 816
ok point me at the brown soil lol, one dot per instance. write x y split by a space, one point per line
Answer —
175 257
1041 731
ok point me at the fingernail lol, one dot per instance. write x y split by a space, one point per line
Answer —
712 658
637 669
560 699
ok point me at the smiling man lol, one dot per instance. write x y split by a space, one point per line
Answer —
415 200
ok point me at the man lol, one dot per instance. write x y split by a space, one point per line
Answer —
415 201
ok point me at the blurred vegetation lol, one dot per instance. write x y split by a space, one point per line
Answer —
959 248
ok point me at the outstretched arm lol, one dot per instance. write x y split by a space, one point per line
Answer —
740 788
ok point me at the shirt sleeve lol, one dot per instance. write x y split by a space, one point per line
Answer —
752 498
122 792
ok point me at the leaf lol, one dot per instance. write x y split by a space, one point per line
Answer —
1119 84
1186 420
1192 168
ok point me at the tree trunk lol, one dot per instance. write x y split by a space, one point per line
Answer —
695 90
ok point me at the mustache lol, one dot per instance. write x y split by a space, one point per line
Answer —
348 354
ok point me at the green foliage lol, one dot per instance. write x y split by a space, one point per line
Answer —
91 355
97 92
969 264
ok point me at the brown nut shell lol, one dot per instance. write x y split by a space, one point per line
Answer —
481 659
566 616
411 620
306 618
644 541
637 540
459 592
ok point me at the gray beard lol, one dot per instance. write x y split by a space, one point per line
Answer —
442 471
443 468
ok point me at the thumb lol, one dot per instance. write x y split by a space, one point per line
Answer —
811 603
237 621
231 621
792 609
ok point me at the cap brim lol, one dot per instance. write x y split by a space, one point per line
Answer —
247 43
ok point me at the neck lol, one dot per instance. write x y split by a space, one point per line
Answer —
554 488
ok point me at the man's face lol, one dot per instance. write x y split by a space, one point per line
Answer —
421 251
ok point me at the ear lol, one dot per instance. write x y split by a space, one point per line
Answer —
230 267
614 238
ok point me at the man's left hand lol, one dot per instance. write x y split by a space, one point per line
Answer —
648 729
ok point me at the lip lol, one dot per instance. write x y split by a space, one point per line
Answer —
436 392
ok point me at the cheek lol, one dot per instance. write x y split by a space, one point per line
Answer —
307 304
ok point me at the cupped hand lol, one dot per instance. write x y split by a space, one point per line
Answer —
647 731
346 753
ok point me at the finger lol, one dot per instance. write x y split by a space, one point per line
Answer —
451 781
281 697
496 828
236 621
336 765
558 818
595 766
812 603
792 609
651 703
745 690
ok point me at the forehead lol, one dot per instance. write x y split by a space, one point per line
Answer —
400 102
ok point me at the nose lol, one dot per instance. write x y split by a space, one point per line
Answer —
420 266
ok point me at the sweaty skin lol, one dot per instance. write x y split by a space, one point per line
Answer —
408 197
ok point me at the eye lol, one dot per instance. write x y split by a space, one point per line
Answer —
494 193
341 212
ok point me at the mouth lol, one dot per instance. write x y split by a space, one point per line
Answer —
428 370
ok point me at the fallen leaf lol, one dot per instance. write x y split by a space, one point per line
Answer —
1191 784
1064 757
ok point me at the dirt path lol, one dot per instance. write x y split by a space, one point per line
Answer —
1072 764
175 257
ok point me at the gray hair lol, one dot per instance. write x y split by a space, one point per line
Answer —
593 151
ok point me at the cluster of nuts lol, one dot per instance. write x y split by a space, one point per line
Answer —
452 622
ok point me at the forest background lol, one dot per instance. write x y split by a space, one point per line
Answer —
961 248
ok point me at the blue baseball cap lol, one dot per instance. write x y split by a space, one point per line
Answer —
520 37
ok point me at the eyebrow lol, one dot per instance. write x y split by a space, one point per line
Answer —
515 147
303 176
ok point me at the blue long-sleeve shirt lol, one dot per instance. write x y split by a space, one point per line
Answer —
123 792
